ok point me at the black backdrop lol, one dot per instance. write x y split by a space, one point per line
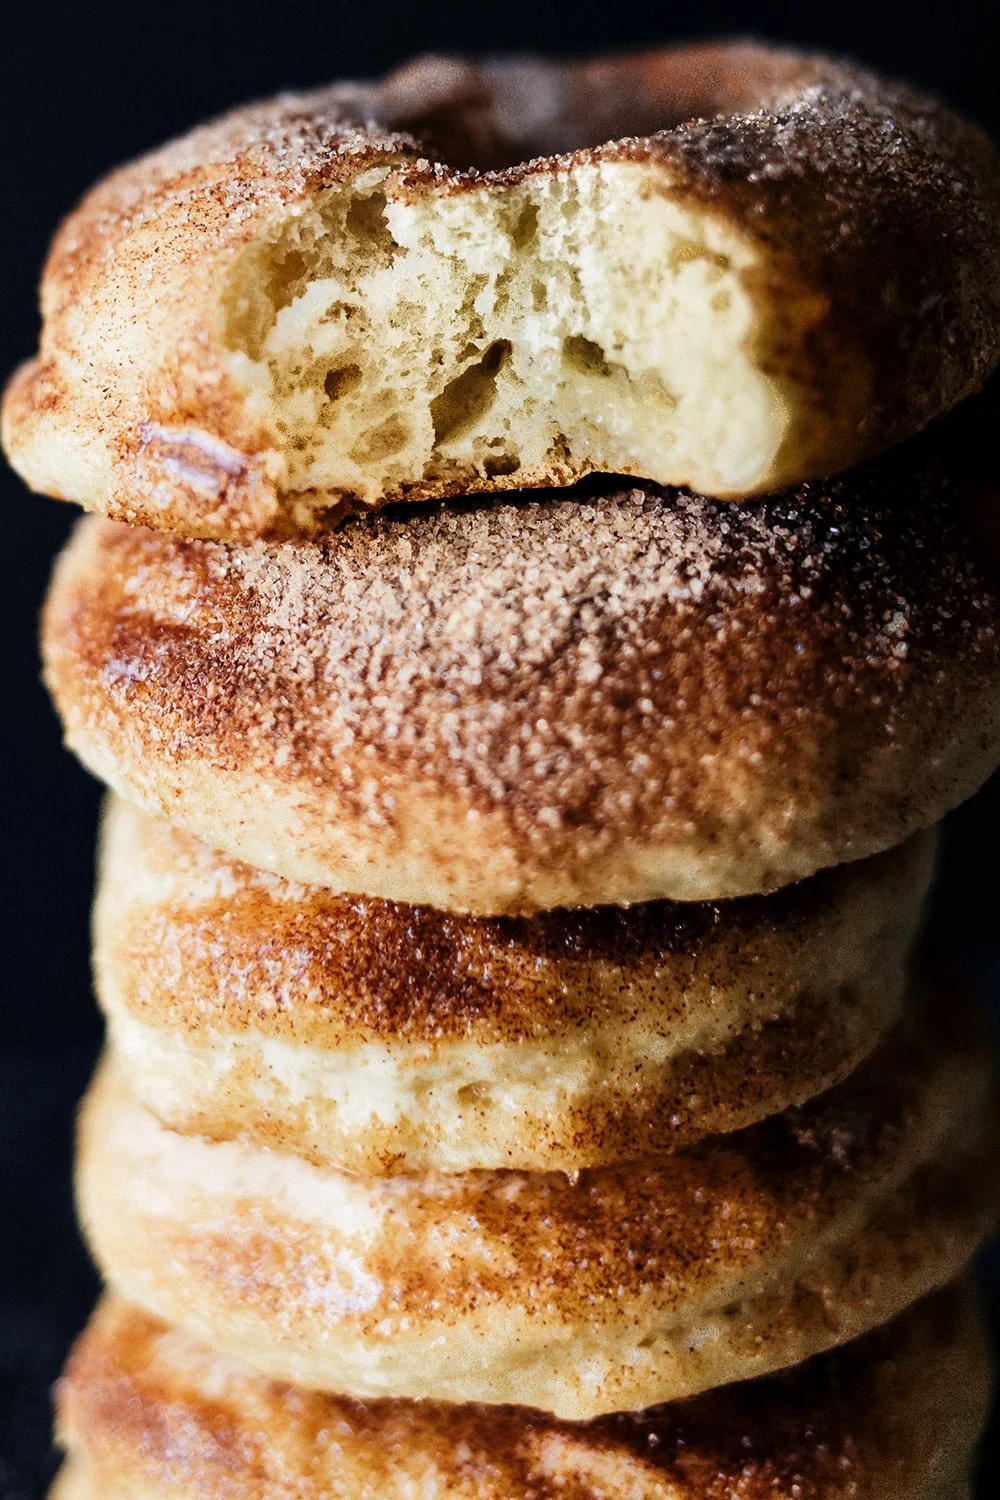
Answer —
81 88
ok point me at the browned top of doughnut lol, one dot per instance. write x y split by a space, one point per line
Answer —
869 194
148 1405
193 939
624 665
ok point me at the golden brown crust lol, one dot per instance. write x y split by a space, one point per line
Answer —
861 198
893 1416
612 697
619 1288
385 1038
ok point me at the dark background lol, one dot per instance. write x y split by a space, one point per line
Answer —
82 88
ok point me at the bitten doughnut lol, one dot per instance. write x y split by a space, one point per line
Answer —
148 1414
723 266
616 696
609 1290
384 1038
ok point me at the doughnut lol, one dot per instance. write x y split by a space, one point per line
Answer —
76 1481
381 1038
580 1294
149 1414
616 696
725 266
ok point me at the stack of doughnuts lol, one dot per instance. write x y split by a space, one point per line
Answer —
529 637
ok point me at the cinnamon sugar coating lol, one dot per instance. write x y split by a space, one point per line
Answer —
608 697
893 1416
615 1288
377 1037
854 221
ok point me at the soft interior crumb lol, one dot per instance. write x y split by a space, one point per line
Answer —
393 338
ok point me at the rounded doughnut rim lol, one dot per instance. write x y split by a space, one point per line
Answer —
618 1288
843 180
893 1416
381 1038
607 697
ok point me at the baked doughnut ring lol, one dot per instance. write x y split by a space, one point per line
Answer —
593 699
614 1289
384 1038
724 266
148 1414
